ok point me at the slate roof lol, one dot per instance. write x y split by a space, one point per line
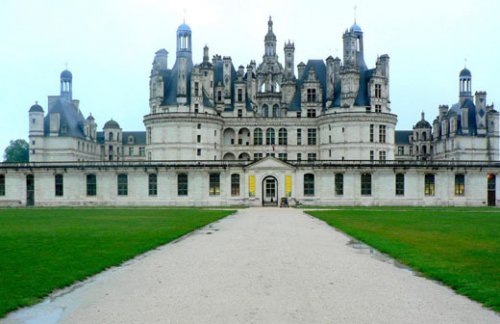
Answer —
402 137
36 108
71 119
471 108
320 69
139 138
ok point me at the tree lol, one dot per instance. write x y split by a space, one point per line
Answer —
17 151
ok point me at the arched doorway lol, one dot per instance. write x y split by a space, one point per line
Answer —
270 191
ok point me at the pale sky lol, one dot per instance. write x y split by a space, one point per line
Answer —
109 46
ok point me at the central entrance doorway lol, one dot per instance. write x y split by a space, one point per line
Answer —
270 191
30 190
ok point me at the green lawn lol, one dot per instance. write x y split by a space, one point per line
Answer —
457 246
44 249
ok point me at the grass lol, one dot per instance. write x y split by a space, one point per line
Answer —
459 247
45 249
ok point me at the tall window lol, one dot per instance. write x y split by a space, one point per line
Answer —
401 150
122 184
366 184
299 136
142 151
299 156
459 184
381 155
214 184
378 108
196 89
372 133
2 184
59 185
235 184
198 138
339 184
429 184
311 95
265 111
381 133
276 111
240 95
91 185
311 136
308 184
257 136
219 96
153 184
372 155
400 184
378 91
149 135
282 136
182 184
269 136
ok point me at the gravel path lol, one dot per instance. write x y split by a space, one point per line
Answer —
262 265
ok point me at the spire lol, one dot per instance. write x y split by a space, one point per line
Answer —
270 40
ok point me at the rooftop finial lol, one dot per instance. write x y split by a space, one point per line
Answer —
270 23
184 16
465 62
36 102
66 65
355 7
423 115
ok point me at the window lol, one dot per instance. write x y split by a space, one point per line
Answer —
372 132
149 135
257 136
429 185
110 136
235 185
219 96
308 184
153 184
368 109
400 184
198 126
299 156
276 111
311 136
265 111
282 136
311 156
372 157
257 156
401 150
381 155
311 113
214 184
381 133
142 151
311 95
91 185
269 136
378 108
459 184
198 138
198 152
59 185
196 89
2 184
196 108
366 184
122 184
182 184
378 91
299 136
283 156
299 114
240 113
130 151
339 184
240 95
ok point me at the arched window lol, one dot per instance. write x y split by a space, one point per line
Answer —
282 136
308 184
265 111
416 136
424 136
276 111
110 136
270 136
257 136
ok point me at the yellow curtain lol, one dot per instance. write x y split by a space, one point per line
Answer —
288 185
251 186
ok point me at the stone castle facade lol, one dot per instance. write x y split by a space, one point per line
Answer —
333 113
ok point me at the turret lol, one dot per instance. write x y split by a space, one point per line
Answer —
36 114
289 60
330 78
465 85
270 41
227 77
183 62
300 69
353 47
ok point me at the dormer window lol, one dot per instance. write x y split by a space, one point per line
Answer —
311 95
131 139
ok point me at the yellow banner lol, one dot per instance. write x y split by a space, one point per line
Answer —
288 185
251 186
